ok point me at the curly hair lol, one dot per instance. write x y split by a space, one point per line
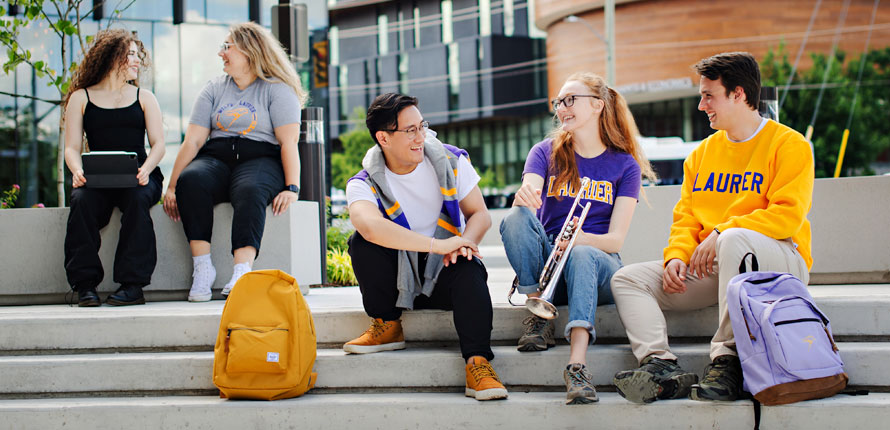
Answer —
107 52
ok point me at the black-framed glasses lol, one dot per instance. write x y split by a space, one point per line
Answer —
411 132
568 101
225 46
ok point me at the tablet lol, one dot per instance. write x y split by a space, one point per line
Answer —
110 169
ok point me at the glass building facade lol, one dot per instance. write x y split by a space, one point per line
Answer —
184 57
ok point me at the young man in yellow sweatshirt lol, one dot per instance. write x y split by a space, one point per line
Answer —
746 188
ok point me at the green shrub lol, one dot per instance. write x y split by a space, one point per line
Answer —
340 268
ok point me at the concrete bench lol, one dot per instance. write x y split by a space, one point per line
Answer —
851 235
32 257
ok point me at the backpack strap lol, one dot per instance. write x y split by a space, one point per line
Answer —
754 266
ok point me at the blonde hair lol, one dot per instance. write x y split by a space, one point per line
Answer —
266 56
617 128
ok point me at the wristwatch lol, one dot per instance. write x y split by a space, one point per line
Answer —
292 188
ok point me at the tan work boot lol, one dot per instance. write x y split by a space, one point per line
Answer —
381 336
482 382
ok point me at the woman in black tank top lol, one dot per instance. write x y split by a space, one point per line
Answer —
105 103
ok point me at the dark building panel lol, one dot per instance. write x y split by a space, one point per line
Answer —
497 20
468 99
466 18
515 84
387 75
431 27
427 70
520 18
358 36
356 81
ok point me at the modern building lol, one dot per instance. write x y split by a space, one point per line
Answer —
476 66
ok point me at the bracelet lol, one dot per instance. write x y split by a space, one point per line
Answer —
718 231
431 245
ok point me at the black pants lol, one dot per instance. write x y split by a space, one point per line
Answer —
461 287
241 171
136 254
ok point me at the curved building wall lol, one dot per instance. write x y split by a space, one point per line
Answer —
657 41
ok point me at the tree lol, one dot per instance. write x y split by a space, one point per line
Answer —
348 162
870 128
66 24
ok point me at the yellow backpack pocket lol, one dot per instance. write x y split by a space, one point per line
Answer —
257 349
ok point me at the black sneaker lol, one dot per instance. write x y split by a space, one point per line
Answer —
655 379
538 334
722 380
579 385
126 295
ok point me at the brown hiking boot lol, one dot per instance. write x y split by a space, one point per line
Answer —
482 382
381 336
538 334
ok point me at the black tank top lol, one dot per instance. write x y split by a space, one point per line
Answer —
118 129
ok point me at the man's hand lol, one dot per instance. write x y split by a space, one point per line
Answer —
674 277
528 196
454 247
701 264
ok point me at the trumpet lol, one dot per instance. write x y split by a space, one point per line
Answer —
543 306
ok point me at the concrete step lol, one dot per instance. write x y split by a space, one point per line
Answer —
538 410
855 311
426 367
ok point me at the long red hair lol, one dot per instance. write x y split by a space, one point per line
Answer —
618 132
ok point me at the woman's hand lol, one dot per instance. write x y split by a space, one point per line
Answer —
77 178
170 204
529 196
283 201
142 176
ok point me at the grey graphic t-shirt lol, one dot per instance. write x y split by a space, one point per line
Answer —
253 113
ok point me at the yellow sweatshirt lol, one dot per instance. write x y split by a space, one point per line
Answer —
764 184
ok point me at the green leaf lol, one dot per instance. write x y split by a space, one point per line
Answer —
90 38
32 12
65 87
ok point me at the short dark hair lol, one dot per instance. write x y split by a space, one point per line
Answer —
734 69
383 114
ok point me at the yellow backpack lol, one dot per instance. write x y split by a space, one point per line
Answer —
265 348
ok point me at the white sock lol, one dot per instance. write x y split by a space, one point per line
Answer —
237 271
203 276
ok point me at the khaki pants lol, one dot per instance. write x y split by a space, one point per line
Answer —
640 298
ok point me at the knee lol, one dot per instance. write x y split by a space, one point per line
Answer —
730 238
517 219
190 181
624 279
250 196
585 255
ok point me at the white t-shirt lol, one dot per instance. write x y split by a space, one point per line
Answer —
418 193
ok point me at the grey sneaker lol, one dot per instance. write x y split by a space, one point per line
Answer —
655 379
538 334
722 380
579 385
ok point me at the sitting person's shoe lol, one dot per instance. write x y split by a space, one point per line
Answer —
655 379
87 298
538 334
381 336
722 380
238 271
203 276
482 382
126 295
579 385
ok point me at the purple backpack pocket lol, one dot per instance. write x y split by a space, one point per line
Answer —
784 341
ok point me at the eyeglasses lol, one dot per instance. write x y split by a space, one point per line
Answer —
411 132
567 101
225 46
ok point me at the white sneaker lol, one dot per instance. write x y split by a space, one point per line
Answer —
237 272
203 277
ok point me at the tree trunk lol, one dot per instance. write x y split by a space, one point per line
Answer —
60 161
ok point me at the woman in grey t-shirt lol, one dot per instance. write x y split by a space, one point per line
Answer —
241 147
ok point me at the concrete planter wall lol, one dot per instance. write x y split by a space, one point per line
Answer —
32 258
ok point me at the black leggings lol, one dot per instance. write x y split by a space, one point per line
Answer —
136 254
246 173
461 287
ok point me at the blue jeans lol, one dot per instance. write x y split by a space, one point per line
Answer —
586 277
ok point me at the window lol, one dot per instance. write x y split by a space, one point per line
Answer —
447 22
484 17
382 34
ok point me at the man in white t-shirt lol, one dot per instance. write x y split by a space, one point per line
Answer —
419 215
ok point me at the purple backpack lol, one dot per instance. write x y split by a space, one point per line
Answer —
784 341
